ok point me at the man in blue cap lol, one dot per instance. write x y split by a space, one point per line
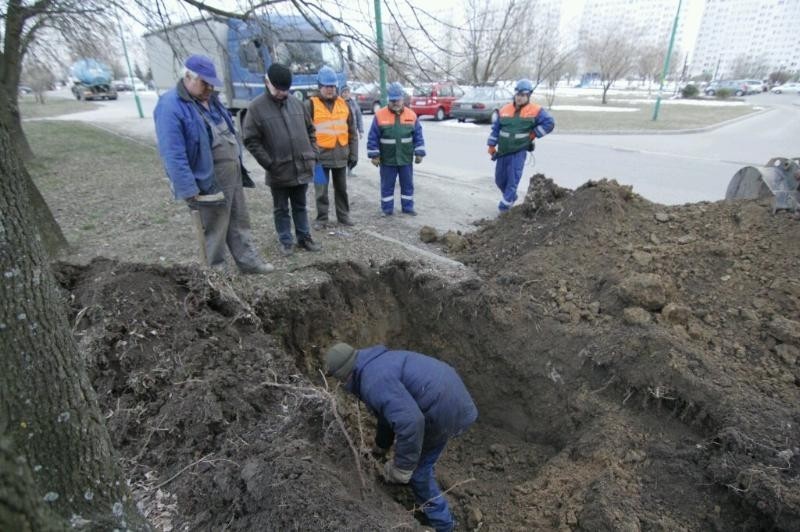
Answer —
202 155
420 403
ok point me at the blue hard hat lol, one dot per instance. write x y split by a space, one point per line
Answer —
327 77
395 91
524 85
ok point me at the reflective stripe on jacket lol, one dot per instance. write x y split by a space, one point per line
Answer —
331 124
396 138
516 128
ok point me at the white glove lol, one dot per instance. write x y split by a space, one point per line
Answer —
394 475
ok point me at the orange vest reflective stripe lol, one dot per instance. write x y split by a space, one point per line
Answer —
331 124
386 117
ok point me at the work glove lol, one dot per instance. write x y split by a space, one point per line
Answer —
531 146
352 164
379 452
492 151
418 159
376 161
394 475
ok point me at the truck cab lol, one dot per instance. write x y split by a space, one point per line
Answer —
435 99
242 51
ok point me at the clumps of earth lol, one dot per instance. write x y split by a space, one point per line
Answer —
635 367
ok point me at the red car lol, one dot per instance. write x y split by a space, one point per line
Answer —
435 100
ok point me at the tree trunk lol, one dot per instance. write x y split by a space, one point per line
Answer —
49 231
15 127
20 508
52 237
48 409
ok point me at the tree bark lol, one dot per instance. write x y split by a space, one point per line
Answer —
48 409
50 233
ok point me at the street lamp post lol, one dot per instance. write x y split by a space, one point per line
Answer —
666 60
128 61
381 62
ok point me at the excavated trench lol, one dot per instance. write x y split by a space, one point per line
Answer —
565 438
576 429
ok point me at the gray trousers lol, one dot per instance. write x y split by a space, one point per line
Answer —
339 178
227 222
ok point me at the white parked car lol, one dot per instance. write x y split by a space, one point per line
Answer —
135 82
788 88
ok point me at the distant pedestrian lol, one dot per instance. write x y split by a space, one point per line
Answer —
519 124
279 133
355 110
395 142
420 403
202 155
337 142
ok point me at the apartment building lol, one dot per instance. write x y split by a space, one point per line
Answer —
757 35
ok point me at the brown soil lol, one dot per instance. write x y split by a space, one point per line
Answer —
635 367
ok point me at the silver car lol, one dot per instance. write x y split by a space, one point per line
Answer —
481 104
788 88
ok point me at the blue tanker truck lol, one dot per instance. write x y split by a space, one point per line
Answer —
91 80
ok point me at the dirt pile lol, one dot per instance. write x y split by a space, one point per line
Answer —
635 368
691 314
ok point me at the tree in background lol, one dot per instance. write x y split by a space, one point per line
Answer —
611 53
745 66
495 39
649 64
779 77
39 78
547 56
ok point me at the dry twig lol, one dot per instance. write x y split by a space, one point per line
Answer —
179 473
454 486
311 391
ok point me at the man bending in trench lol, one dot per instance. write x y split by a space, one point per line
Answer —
420 403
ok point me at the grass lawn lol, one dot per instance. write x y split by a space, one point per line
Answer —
671 116
52 107
101 188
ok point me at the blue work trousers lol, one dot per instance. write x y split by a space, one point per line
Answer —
389 176
507 174
281 197
427 492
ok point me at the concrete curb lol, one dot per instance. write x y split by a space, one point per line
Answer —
669 131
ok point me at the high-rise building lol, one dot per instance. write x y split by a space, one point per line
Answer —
648 22
747 37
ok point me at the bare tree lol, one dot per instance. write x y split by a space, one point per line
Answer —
611 53
494 38
39 78
746 66
649 64
779 77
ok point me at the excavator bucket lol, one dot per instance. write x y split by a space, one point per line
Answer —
778 179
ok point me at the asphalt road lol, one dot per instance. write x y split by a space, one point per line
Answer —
455 183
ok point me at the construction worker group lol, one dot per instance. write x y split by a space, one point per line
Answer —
297 143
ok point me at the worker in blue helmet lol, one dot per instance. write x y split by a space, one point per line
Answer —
513 134
337 141
395 142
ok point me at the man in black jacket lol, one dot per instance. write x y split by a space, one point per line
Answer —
279 133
